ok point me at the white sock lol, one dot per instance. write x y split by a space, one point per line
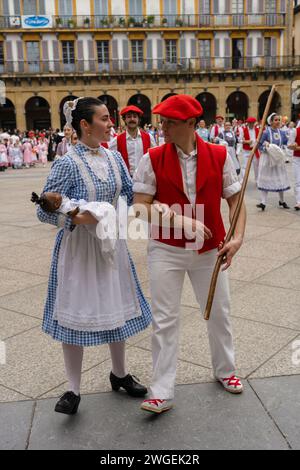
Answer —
281 196
117 353
73 356
264 196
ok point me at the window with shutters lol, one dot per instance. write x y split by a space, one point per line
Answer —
33 56
68 56
103 52
270 52
205 53
170 11
137 53
237 9
136 9
65 10
101 12
204 13
270 8
171 51
34 7
1 57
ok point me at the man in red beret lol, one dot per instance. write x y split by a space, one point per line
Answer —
134 142
248 137
217 128
189 177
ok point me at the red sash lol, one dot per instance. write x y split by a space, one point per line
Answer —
247 137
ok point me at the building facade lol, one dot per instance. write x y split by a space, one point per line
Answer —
227 53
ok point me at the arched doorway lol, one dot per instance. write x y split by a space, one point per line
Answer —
142 102
37 112
209 105
7 115
61 109
112 106
237 105
275 105
168 96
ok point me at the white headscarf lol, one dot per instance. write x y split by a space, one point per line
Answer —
269 120
68 108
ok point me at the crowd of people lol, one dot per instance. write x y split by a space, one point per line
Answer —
26 149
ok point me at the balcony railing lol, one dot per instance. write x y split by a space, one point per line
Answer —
150 66
156 21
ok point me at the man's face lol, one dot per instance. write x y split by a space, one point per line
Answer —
220 122
174 129
132 120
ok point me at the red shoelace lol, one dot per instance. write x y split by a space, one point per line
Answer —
233 380
154 401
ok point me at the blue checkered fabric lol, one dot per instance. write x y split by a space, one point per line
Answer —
66 179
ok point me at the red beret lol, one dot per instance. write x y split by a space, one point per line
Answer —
131 109
31 133
251 120
180 107
219 117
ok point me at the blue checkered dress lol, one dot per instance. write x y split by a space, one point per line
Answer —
65 178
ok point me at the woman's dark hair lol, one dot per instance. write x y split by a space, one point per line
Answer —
85 109
42 201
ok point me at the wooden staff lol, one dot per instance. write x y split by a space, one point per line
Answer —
236 215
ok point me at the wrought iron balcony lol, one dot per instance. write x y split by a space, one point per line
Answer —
154 21
149 66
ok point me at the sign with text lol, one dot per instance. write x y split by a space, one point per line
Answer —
36 22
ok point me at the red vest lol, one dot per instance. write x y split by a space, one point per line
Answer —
104 144
247 137
209 186
122 145
297 152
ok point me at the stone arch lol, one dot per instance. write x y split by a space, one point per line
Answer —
275 105
209 104
144 103
237 105
8 115
37 112
112 106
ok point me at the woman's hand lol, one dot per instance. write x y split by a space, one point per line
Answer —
228 251
85 218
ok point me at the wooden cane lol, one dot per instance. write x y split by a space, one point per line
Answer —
237 211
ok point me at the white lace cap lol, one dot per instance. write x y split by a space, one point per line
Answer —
269 120
68 108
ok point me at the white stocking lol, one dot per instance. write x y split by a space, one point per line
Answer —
264 195
117 353
73 356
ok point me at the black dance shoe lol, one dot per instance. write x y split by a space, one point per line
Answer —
284 205
261 206
129 383
68 403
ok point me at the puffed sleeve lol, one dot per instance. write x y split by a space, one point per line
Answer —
126 191
231 184
264 139
144 180
59 181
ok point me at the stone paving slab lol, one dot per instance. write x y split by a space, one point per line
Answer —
15 421
280 396
200 420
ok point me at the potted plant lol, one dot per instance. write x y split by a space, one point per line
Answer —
122 22
111 21
131 22
86 22
71 23
179 22
164 22
104 22
59 22
145 22
150 20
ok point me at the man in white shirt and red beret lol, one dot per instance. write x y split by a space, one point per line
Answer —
217 129
134 142
248 136
189 177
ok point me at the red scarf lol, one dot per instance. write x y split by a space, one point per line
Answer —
122 145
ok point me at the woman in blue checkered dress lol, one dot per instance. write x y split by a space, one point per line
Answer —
81 284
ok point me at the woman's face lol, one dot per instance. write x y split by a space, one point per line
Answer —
68 132
276 123
74 138
101 125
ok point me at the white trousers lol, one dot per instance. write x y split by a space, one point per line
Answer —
167 268
255 164
296 168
